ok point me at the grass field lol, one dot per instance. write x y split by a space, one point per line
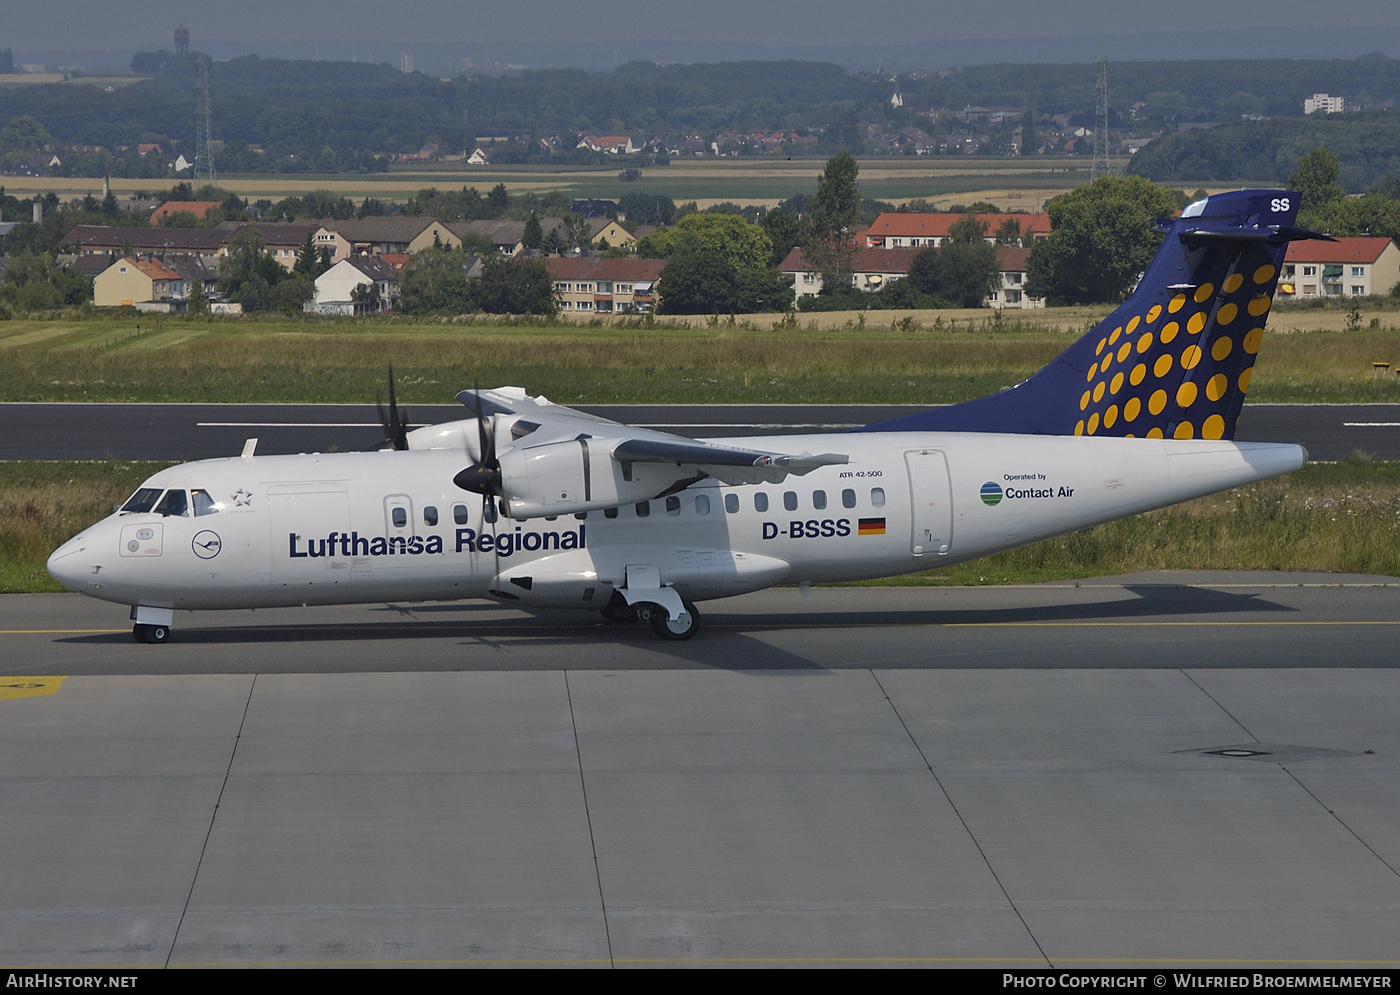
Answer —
879 357
1013 184
1339 517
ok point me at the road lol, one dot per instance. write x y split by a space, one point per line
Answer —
200 431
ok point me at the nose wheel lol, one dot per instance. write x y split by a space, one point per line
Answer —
150 633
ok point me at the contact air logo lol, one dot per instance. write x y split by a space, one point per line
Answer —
991 494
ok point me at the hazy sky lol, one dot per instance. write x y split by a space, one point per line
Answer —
102 24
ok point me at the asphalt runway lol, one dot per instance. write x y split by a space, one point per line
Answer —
1159 770
200 431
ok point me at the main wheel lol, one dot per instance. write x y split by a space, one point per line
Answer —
675 629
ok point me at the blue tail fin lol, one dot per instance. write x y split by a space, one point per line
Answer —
1174 361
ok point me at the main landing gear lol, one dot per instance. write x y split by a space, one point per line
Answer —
150 633
665 627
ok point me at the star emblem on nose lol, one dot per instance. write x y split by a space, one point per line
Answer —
241 498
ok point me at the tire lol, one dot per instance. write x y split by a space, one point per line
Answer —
150 633
618 616
675 630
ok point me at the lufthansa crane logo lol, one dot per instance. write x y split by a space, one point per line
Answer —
207 544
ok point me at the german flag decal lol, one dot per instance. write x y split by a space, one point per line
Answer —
872 527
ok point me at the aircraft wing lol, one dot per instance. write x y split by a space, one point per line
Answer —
553 459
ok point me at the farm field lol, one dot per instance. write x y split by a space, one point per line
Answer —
876 357
1012 184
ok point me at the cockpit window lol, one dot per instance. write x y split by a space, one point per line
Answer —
143 500
203 503
175 503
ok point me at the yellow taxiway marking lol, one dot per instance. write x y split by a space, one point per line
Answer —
28 687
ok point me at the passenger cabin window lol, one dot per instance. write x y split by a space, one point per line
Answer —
400 518
488 511
819 500
877 496
143 500
790 500
731 503
429 515
460 515
609 512
643 509
760 501
203 503
673 505
175 503
702 504
848 498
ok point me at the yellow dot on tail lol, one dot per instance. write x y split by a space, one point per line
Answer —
1184 431
1131 409
1226 314
1186 395
1213 427
1232 283
1244 380
1197 322
1084 401
1252 340
1169 331
1220 348
1190 356
1153 313
1107 361
1157 403
1099 348
1117 383
1216 386
1153 433
1110 416
1264 274
1133 322
1259 305
1139 372
1123 351
1145 342
1203 292
1163 366
1093 423
1098 391
1176 303
1116 333
1079 427
1092 370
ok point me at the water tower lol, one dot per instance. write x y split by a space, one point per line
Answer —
182 40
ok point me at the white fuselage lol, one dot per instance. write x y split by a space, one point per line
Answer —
392 526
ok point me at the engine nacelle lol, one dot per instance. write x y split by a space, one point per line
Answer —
565 478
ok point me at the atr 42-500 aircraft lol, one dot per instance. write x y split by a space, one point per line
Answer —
534 504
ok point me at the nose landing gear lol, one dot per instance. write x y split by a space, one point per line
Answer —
150 633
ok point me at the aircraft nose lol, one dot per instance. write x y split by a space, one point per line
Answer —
68 564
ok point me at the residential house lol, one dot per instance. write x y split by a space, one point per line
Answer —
874 268
1011 288
604 233
152 284
894 230
600 285
1348 267
591 209
376 236
89 239
608 144
871 269
336 286
284 240
199 208
508 237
